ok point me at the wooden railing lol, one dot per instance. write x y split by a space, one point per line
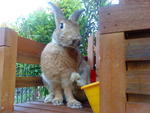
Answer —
28 51
13 49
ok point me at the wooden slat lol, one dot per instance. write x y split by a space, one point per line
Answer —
138 49
120 18
8 54
90 51
29 51
133 2
138 82
138 66
137 108
28 82
138 98
98 53
112 73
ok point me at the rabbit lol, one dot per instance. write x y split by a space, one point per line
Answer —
63 68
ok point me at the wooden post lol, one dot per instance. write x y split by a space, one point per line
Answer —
112 73
90 52
98 54
8 55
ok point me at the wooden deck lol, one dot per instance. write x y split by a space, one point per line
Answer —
40 107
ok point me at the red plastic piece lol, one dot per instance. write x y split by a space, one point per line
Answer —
93 76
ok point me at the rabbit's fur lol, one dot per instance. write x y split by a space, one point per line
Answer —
63 67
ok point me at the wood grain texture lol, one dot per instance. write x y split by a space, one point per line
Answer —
29 51
4 37
138 66
138 49
139 98
98 54
28 82
40 107
120 18
132 107
138 82
112 73
133 2
90 52
8 56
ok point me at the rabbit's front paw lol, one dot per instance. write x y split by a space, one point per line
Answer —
49 98
74 104
75 77
57 101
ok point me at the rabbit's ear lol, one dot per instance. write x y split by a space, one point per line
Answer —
74 17
57 13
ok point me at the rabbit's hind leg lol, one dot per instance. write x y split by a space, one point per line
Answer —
48 85
58 95
50 96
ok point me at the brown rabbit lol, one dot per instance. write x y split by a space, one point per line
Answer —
63 67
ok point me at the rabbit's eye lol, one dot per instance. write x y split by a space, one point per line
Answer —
61 25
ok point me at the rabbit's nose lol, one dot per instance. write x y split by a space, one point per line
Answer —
76 42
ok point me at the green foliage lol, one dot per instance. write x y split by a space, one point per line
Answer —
27 94
27 69
38 26
69 6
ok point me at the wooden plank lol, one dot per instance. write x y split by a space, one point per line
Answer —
86 106
138 98
4 37
8 70
19 111
1 77
138 49
28 82
98 53
137 108
52 108
138 82
22 109
138 66
112 73
120 18
138 77
29 51
132 2
90 52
